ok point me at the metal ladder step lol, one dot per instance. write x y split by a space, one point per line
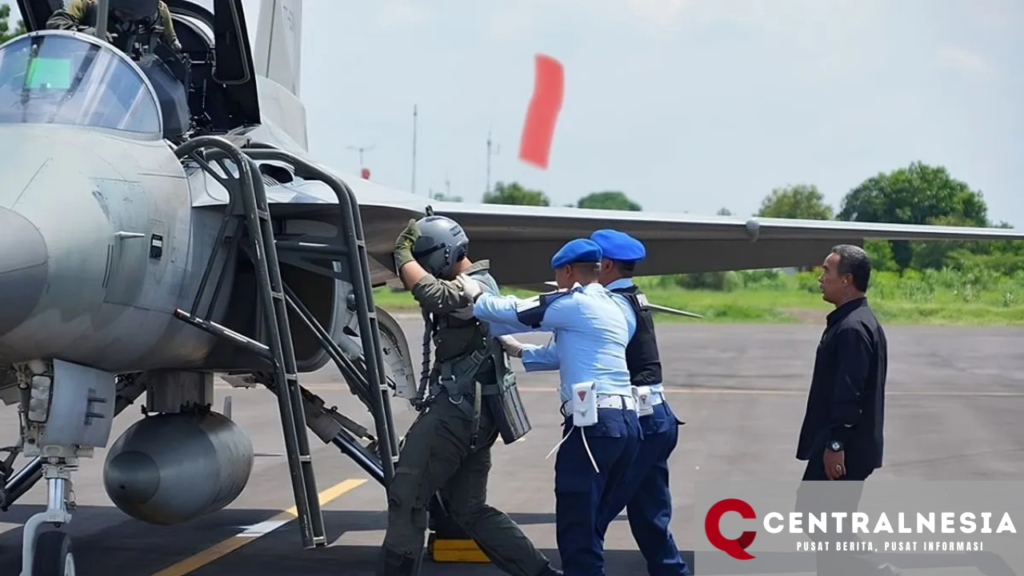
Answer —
249 209
250 196
350 236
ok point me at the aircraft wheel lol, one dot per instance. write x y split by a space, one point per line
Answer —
53 555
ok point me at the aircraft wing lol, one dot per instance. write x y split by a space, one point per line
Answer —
520 240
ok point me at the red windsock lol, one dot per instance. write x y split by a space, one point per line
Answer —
539 129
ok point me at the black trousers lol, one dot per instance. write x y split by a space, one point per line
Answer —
819 495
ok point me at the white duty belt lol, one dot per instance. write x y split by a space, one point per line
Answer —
583 406
602 401
646 400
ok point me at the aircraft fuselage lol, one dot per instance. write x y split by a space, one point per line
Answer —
104 245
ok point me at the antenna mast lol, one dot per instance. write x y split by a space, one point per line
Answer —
362 149
497 150
414 118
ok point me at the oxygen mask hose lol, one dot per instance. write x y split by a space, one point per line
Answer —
428 328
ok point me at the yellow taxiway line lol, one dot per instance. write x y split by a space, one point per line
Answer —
225 547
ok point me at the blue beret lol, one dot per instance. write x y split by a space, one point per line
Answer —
578 250
620 246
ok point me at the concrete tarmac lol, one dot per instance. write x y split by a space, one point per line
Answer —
955 397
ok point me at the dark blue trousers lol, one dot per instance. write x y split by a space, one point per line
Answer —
580 493
644 493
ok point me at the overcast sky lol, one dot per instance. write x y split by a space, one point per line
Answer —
685 105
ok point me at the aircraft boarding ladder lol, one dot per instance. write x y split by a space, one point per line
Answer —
249 211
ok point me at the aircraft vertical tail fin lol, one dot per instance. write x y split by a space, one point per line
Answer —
279 42
278 58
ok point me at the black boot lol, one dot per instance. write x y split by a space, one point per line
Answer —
550 571
391 563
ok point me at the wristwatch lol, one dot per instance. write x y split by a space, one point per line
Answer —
835 446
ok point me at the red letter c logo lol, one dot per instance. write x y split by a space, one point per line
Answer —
735 548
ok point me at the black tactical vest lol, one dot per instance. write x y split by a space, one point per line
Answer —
642 351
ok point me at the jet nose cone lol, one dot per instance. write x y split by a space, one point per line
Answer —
22 269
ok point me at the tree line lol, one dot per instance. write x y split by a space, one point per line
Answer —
6 33
916 194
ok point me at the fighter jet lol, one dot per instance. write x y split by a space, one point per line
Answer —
162 221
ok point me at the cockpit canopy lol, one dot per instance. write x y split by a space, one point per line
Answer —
58 77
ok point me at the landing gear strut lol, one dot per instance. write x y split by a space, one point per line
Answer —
67 411
49 553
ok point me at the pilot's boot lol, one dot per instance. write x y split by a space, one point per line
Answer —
391 563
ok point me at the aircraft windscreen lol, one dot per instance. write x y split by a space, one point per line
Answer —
61 79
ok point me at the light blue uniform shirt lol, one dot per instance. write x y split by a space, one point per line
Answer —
630 314
590 331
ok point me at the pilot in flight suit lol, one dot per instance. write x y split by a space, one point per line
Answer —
472 401
122 22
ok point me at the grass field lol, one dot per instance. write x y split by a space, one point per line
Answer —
932 297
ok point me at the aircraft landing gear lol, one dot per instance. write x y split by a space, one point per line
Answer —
53 555
67 412
50 553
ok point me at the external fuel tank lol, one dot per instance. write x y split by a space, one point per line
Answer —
170 468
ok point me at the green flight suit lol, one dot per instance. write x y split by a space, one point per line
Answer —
436 455
82 14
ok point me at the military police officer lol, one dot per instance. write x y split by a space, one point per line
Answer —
589 351
645 491
470 401
125 19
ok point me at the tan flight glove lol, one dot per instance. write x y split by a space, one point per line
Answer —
404 244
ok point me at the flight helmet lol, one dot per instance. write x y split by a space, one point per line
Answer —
442 243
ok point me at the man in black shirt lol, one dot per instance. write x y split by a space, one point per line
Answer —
841 436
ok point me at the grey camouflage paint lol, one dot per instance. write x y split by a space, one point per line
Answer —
90 203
